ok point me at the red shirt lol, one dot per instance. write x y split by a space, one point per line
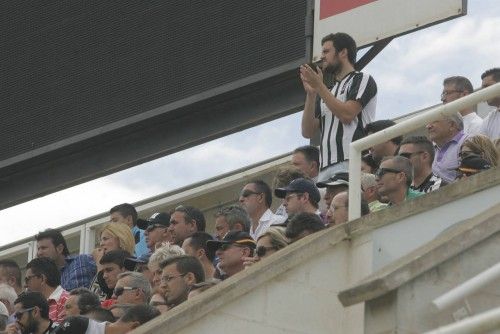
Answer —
56 304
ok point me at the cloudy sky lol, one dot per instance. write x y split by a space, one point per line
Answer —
408 72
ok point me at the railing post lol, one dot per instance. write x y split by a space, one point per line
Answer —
354 183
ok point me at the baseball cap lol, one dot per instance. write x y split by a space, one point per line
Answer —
473 164
339 179
158 218
300 185
232 238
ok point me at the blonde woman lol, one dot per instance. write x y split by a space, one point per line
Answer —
482 146
268 243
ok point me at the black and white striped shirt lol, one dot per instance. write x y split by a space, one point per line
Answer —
335 136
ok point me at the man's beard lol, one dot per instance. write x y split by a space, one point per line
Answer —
332 69
31 327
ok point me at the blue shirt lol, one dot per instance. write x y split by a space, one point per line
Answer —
78 272
141 248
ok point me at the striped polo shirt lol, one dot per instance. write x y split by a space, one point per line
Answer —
335 136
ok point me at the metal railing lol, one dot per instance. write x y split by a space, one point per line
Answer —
402 128
482 323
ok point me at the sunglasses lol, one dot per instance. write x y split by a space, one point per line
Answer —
120 290
19 314
382 171
262 250
246 193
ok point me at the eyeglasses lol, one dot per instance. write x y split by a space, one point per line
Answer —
120 290
382 171
27 279
465 154
262 250
20 313
288 197
245 193
448 92
152 227
167 279
408 155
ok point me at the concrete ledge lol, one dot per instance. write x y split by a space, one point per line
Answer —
447 245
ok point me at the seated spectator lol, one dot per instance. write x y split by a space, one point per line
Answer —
394 179
368 164
301 195
231 218
472 165
80 301
455 88
8 296
306 158
420 151
448 136
283 177
202 286
268 243
196 245
32 314
388 148
43 276
158 301
231 251
100 314
369 192
10 274
126 214
184 221
76 271
338 183
133 318
256 198
161 254
113 264
491 124
4 316
302 225
132 288
339 209
480 146
155 231
179 274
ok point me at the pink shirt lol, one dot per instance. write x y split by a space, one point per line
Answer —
56 304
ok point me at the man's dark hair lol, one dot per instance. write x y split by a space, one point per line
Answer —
343 41
56 237
186 264
199 241
140 313
12 269
32 299
47 267
311 153
101 314
235 214
495 72
117 257
368 159
192 213
422 143
461 83
263 187
87 300
380 125
302 222
125 210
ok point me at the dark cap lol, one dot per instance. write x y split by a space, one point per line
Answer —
339 179
300 186
158 218
232 238
473 164
73 325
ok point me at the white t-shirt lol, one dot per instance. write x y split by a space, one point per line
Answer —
491 125
96 327
472 124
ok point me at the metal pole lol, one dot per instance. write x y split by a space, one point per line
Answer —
467 288
479 324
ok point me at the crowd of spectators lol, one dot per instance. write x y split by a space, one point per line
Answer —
144 267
